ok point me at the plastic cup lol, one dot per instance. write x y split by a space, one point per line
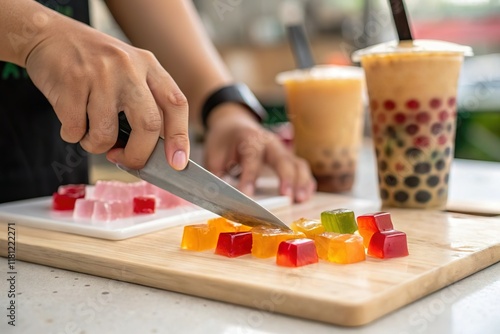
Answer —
325 106
412 88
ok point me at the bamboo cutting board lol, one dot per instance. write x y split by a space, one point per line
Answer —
443 247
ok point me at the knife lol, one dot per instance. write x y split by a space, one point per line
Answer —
198 186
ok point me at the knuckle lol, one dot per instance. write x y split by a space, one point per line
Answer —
72 133
177 99
135 163
102 137
152 122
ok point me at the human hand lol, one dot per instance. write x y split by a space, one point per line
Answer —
235 138
85 73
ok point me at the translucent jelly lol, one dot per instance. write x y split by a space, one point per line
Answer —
144 204
371 223
199 237
233 244
296 253
388 244
310 227
339 221
340 248
267 240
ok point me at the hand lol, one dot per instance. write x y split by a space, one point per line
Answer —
235 137
85 73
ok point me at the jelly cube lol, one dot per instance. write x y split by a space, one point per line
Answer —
144 204
388 244
266 240
339 221
371 223
165 199
233 244
309 227
84 208
198 237
111 210
63 202
340 248
73 190
222 225
296 253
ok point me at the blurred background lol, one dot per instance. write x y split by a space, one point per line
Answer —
251 38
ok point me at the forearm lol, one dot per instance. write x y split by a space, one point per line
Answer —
23 24
172 30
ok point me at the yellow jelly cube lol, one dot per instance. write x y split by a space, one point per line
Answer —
222 225
340 248
199 237
266 241
309 227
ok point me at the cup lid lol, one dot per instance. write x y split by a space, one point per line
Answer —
418 46
321 72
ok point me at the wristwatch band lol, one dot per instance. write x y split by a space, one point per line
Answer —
238 93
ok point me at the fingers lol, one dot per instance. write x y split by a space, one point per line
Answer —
71 111
251 155
175 112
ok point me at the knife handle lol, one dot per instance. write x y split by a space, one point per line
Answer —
124 130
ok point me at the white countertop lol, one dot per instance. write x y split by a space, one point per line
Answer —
51 300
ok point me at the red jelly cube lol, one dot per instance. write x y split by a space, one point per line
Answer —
233 244
144 204
387 244
296 253
72 190
63 202
373 222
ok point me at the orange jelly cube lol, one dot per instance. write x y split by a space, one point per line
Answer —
222 225
309 227
199 237
267 240
340 248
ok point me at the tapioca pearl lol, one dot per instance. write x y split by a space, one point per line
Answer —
423 196
447 151
382 166
388 150
389 105
423 117
391 180
413 153
436 128
442 140
391 132
399 118
433 181
451 102
412 104
435 103
412 129
400 143
381 118
399 167
421 141
422 168
346 178
442 192
434 154
319 165
374 105
401 196
377 152
384 194
336 165
412 181
443 116
446 178
379 140
449 127
440 164
375 129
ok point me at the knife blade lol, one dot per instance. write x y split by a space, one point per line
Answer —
198 186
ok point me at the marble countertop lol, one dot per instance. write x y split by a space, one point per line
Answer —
51 300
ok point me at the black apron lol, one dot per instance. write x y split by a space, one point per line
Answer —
34 160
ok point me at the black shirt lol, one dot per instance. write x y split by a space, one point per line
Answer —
34 160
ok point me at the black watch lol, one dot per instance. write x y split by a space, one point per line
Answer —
237 93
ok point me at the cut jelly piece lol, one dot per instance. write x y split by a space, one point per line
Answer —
371 223
388 244
339 221
310 227
296 253
267 240
111 210
73 190
340 248
233 244
63 202
198 237
144 204
84 208
222 225
166 200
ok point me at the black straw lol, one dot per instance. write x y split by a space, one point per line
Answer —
401 20
300 46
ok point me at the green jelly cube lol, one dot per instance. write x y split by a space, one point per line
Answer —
339 221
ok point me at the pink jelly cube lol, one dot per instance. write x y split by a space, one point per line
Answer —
139 188
111 210
72 190
112 191
165 200
144 204
84 208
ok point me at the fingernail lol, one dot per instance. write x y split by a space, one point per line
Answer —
179 160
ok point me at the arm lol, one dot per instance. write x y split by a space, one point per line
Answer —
87 74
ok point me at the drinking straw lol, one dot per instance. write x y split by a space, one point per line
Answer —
401 20
300 46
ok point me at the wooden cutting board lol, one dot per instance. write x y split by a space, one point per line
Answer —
444 248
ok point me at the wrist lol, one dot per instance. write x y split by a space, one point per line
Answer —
230 112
